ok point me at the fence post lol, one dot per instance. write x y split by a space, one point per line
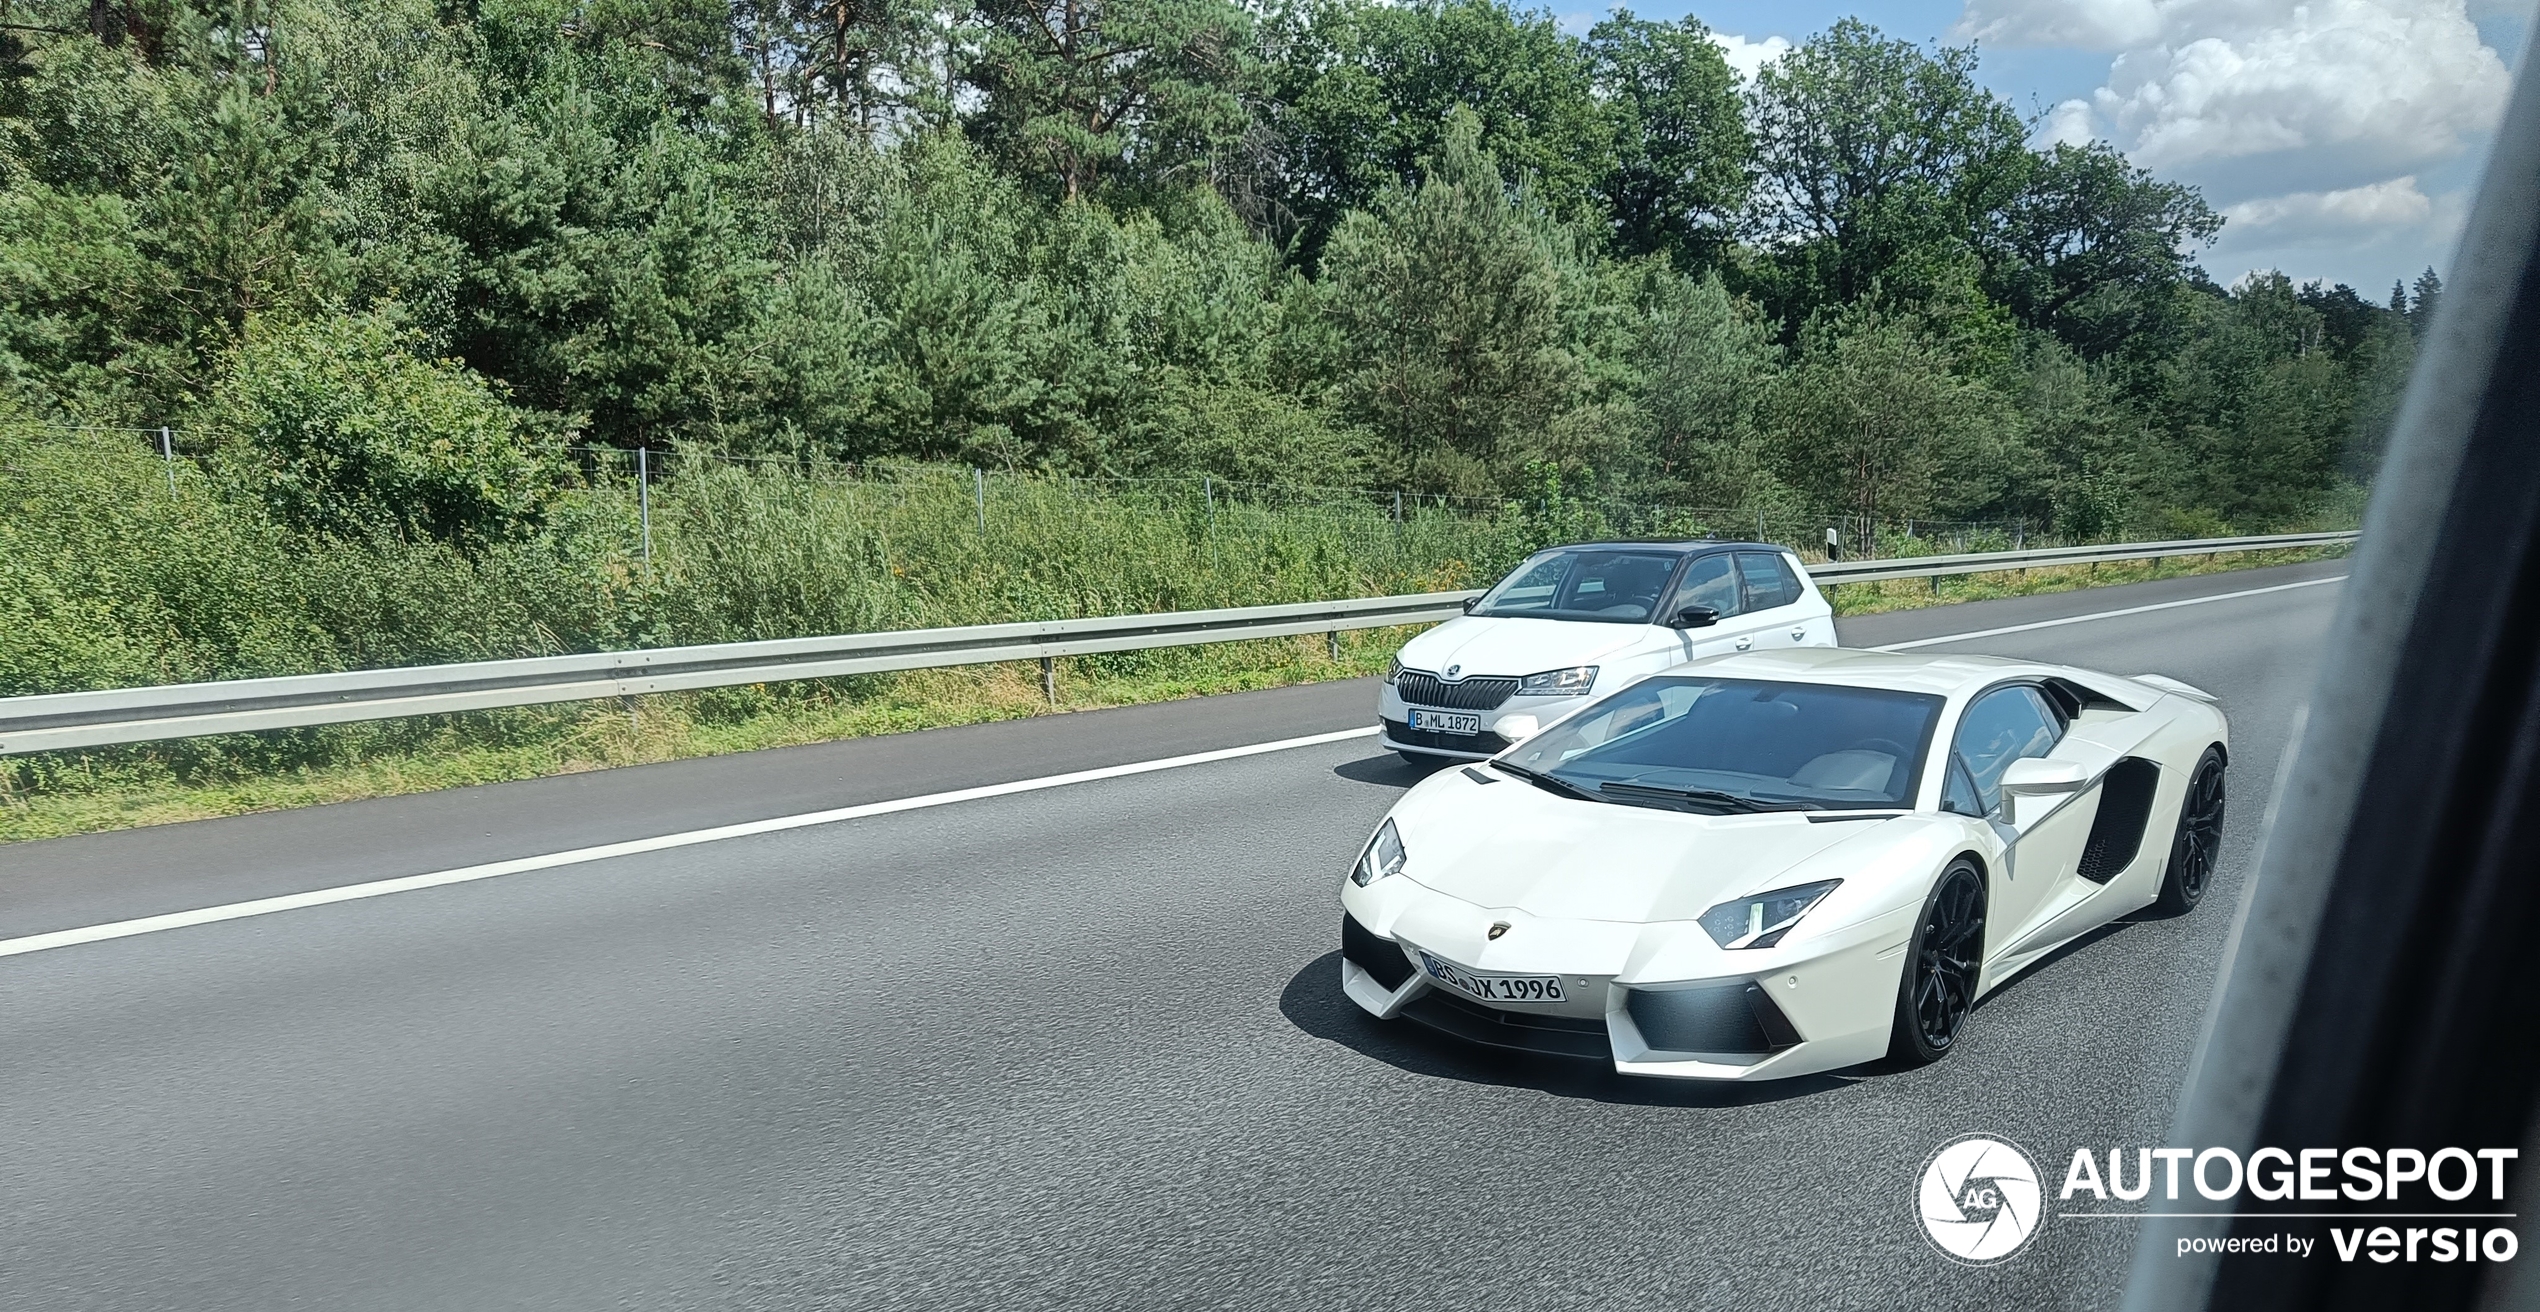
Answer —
1049 679
1208 493
644 497
1397 509
979 496
167 455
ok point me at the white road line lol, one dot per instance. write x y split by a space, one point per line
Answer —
2101 615
62 938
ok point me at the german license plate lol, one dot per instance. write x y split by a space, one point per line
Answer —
1493 988
1446 721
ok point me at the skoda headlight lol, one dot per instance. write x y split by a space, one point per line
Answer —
1393 668
1759 920
1557 683
1384 856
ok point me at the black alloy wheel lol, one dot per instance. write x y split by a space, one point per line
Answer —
1940 975
2198 846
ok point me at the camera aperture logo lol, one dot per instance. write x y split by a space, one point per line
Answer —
1980 1199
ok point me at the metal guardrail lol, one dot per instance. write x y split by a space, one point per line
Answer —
60 721
1979 562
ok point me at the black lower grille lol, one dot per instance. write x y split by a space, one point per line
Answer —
1733 1022
1383 961
1556 1036
2125 807
1468 695
1484 744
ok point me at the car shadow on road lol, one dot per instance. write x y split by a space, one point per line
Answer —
1386 769
1314 1003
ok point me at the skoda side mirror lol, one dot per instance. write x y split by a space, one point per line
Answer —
1470 603
1694 617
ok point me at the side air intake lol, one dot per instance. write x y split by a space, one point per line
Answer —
2125 808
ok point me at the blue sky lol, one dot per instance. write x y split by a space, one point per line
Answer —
2341 138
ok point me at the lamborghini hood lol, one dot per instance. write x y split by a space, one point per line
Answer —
1511 845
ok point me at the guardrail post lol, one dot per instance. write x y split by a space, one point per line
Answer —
1334 638
1049 679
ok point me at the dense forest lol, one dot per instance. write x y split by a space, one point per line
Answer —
380 263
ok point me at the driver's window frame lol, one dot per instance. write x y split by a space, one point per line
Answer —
1684 573
1957 760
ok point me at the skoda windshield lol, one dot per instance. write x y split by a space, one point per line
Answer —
1726 745
1607 584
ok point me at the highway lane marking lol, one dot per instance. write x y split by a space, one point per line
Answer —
62 938
2102 615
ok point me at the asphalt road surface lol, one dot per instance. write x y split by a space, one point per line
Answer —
1076 1047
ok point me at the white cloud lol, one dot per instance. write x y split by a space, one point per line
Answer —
2335 91
2309 122
2081 24
1749 57
2068 124
2301 215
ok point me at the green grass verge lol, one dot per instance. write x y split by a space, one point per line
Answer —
77 793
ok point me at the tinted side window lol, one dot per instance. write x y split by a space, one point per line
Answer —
2001 727
1708 581
1769 582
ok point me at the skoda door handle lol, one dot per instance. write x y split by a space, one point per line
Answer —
1798 634
1745 642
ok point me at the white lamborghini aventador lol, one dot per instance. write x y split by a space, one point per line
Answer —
1765 865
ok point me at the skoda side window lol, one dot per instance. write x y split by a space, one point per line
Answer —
1586 618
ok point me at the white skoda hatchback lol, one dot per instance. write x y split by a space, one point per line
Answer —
1589 618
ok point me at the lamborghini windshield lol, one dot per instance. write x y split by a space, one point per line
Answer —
1727 745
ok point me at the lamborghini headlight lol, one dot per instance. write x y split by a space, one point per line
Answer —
1384 856
1558 683
1759 920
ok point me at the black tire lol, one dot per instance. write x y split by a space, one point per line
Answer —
1942 967
2197 845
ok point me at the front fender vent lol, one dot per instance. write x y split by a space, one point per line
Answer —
1382 959
2125 808
1733 1022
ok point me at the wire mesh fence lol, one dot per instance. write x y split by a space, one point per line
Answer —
1018 506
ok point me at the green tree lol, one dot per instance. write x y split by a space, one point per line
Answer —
1873 420
2091 247
1452 303
338 431
1879 167
1681 153
1704 361
1075 89
1362 95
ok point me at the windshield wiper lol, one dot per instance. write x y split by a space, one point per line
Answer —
1704 796
1548 783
